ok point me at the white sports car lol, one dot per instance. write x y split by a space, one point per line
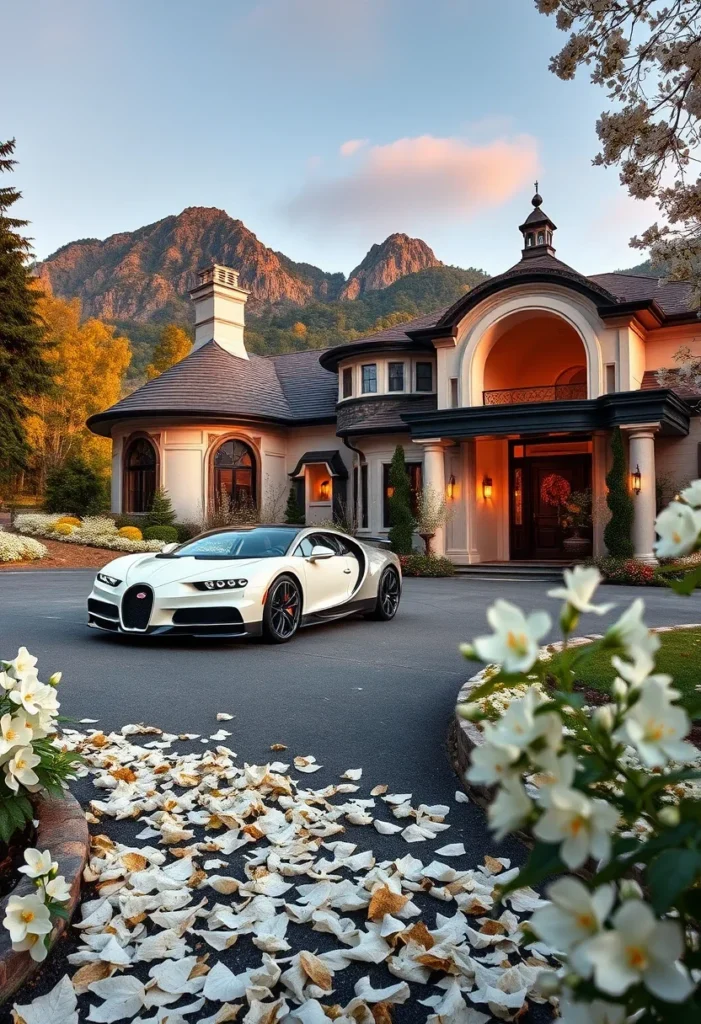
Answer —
260 581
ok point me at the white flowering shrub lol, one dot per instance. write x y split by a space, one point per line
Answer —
29 919
594 791
20 549
94 531
30 759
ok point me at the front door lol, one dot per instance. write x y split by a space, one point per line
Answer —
540 486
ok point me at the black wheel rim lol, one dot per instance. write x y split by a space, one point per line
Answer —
389 593
284 609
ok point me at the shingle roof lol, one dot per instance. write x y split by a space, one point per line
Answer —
211 382
684 388
672 298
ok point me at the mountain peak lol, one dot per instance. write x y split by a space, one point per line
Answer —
386 262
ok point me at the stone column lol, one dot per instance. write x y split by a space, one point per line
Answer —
641 455
434 479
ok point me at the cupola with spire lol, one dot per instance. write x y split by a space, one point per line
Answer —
537 230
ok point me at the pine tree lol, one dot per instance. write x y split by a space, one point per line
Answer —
400 517
23 372
617 535
173 345
162 512
293 513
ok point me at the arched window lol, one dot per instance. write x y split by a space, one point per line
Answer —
139 475
235 473
541 238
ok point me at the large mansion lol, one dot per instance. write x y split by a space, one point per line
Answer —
519 382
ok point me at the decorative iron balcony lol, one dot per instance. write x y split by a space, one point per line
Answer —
543 393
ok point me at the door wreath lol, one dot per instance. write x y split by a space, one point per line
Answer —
554 490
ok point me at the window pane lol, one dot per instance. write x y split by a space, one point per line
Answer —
396 376
370 379
424 376
347 382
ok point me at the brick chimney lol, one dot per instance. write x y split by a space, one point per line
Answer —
219 309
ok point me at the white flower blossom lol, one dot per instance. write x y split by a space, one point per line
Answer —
14 732
58 889
28 694
26 915
489 764
35 945
692 494
7 681
23 664
678 527
640 948
580 584
19 770
519 727
515 641
572 917
37 864
634 672
631 632
510 808
656 727
581 825
596 1012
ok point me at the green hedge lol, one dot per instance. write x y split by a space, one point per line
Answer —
426 565
168 534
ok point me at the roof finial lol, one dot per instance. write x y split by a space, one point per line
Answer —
537 199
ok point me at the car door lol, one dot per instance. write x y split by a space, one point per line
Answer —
326 580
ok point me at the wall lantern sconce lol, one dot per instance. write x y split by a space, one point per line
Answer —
637 480
390 492
324 490
451 488
487 488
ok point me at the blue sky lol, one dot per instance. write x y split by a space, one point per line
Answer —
322 124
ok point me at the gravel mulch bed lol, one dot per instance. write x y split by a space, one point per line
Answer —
65 556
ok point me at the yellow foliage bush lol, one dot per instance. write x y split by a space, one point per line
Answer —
68 520
131 533
64 529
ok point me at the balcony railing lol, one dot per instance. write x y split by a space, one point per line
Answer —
543 393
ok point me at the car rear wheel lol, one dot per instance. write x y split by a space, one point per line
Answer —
283 610
389 591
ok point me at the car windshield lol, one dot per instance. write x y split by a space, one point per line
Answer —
262 542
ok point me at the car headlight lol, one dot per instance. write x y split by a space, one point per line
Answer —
221 584
111 581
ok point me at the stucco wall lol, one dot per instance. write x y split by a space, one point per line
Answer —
532 353
679 458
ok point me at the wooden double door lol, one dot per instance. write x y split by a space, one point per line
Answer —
534 515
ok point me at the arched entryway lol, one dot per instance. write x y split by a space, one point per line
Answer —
140 474
234 473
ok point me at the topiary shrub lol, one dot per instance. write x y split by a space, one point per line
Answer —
294 513
618 529
161 512
69 520
400 517
76 489
131 533
168 534
426 565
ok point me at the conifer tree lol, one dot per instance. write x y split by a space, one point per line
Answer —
23 372
162 512
173 345
401 519
293 513
617 535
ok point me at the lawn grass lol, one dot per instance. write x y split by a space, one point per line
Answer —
679 656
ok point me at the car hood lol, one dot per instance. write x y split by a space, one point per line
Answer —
161 571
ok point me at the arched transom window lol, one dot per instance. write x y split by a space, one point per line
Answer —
235 473
139 475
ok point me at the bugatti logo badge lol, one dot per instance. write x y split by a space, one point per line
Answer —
141 595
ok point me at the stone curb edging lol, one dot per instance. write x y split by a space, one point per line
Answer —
64 831
468 735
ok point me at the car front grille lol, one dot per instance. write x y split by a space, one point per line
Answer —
137 604
103 609
207 617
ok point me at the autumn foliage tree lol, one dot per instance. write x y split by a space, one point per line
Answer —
173 345
88 361
645 53
23 370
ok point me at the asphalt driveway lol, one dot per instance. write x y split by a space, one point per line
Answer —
354 694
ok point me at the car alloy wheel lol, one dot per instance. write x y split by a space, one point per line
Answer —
389 593
284 610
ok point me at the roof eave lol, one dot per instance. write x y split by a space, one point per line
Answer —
102 423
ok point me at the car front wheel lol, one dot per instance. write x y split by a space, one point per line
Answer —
283 611
389 591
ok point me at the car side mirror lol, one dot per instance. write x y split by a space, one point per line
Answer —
167 548
320 552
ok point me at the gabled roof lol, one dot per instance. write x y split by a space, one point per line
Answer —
210 382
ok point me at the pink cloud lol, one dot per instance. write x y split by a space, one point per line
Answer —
418 181
352 146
